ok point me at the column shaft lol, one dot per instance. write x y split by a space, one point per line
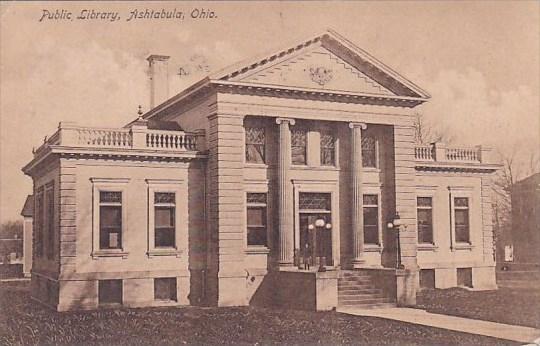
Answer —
286 227
357 196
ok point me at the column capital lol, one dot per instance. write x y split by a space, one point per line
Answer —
285 120
363 126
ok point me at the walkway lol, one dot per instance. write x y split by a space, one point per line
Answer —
460 324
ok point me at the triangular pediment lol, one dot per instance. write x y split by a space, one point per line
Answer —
328 62
316 67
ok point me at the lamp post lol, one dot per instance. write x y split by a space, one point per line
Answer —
396 224
319 223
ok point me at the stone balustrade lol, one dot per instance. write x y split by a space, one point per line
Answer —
137 136
439 152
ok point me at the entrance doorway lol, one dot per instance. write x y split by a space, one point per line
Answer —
315 216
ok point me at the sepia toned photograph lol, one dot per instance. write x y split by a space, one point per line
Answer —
270 172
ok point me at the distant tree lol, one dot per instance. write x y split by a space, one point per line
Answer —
517 164
426 133
11 230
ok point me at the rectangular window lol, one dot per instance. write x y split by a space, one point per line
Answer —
164 219
110 220
255 144
424 210
369 152
256 219
464 277
40 209
165 289
427 278
299 146
328 148
49 196
110 292
461 219
371 219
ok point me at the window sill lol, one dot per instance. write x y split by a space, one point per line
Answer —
109 253
164 252
373 248
463 246
371 169
255 250
427 247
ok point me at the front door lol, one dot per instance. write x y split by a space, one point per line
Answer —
315 218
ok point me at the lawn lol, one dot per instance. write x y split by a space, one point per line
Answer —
511 306
25 322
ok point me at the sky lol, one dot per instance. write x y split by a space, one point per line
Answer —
479 61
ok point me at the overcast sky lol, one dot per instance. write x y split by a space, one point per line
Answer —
479 61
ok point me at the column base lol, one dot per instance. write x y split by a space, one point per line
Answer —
358 263
286 266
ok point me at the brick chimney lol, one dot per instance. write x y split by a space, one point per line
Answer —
159 79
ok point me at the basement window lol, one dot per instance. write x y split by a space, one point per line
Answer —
165 289
464 277
427 278
110 292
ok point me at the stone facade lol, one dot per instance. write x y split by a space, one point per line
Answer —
299 159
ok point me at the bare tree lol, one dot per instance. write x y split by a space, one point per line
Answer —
426 133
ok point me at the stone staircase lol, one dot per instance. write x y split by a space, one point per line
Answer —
356 289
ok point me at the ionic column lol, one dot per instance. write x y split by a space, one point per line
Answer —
286 227
357 196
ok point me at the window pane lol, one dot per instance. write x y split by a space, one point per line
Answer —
164 237
257 236
256 216
370 199
462 225
371 225
110 216
425 227
423 201
369 154
164 197
164 216
255 153
110 196
110 291
461 202
165 289
328 157
255 144
298 146
299 156
256 198
328 148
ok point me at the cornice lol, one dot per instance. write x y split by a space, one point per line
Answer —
316 94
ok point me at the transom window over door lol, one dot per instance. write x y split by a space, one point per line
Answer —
299 146
461 219
371 219
110 220
164 219
255 144
424 209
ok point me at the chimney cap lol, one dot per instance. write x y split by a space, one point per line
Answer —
157 57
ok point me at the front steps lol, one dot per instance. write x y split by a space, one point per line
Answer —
356 289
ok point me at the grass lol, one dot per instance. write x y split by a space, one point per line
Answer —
511 306
23 321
